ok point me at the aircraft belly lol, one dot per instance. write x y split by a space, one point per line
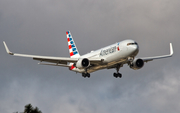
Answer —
105 66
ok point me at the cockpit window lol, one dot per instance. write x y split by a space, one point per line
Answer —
135 43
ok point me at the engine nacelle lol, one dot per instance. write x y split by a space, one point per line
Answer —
137 64
82 63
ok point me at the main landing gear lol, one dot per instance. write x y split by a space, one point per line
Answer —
116 75
86 75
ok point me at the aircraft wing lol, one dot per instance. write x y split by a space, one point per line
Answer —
146 59
59 61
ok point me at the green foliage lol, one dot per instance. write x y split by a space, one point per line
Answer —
29 109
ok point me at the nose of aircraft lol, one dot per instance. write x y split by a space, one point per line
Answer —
134 48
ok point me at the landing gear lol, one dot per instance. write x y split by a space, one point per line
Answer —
116 75
86 75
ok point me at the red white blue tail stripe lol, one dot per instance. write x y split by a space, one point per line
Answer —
72 46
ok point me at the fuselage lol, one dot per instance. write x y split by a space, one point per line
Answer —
113 54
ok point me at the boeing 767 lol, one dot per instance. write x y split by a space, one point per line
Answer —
112 56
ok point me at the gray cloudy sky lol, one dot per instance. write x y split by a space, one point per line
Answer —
39 26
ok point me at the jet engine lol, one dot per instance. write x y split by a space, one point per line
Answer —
82 63
137 64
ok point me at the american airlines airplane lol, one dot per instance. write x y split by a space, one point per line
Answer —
112 56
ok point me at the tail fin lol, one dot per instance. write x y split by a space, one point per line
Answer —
73 51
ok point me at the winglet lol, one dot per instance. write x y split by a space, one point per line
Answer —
171 49
7 50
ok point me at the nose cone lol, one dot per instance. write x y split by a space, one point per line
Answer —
134 49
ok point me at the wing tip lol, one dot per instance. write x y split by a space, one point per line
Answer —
171 49
7 49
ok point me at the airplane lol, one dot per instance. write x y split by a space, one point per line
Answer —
109 57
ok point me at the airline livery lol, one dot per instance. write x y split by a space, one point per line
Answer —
113 56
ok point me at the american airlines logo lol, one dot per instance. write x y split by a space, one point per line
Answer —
71 44
108 51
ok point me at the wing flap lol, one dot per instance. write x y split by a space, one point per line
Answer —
62 60
63 65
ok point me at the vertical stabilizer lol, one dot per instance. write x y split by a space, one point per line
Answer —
73 51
